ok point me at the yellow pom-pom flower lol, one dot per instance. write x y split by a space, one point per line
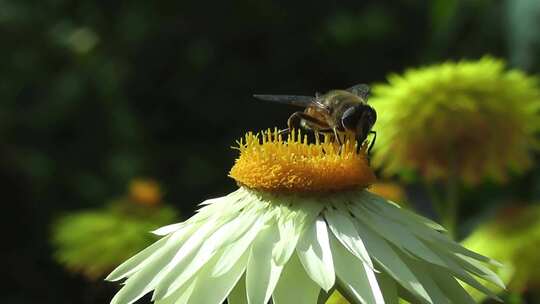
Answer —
512 237
93 242
471 119
301 225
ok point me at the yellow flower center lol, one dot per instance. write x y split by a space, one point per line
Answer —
269 162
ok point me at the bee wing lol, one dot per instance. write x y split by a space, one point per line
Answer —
361 90
301 101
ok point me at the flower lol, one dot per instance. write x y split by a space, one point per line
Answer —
93 242
145 191
513 238
286 234
472 119
390 191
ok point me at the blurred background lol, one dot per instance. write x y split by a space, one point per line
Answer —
97 94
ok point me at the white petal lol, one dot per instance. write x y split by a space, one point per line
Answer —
396 234
460 273
480 270
262 272
238 294
386 256
133 264
423 272
181 296
151 270
293 220
314 252
422 227
178 274
355 276
453 290
214 290
467 264
388 287
168 229
397 213
344 230
234 251
294 286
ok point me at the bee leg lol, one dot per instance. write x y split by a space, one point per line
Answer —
372 142
284 131
294 122
336 134
301 120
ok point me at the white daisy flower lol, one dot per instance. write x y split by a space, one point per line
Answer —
301 225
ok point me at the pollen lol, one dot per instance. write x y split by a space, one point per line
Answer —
271 162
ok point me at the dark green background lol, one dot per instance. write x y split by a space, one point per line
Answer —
94 93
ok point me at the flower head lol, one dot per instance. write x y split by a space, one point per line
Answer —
270 163
93 242
473 119
513 238
277 238
145 192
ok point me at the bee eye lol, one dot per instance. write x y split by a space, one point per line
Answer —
350 118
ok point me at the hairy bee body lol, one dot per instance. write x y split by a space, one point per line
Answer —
337 111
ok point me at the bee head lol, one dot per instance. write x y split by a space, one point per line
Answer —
359 119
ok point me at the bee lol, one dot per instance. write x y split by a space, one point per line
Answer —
337 112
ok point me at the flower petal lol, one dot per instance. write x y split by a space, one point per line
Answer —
314 252
294 286
388 287
460 273
220 286
480 270
180 296
452 288
234 251
423 274
397 213
396 234
293 220
386 256
345 231
133 264
355 276
168 229
186 266
152 269
262 272
238 294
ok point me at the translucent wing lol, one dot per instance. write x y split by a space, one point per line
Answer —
361 90
301 101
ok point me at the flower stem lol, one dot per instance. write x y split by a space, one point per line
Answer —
449 215
446 204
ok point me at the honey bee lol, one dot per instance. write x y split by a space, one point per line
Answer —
337 111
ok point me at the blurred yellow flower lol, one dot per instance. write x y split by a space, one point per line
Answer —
473 119
512 238
390 191
93 242
145 192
